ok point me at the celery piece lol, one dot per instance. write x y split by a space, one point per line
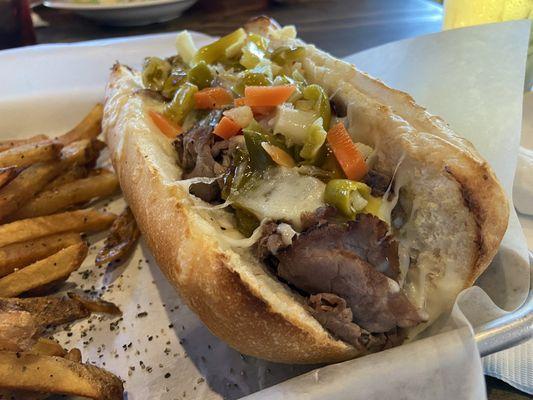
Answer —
293 124
185 47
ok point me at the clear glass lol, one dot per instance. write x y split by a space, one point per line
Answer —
16 27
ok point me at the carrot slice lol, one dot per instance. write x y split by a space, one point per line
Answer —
168 128
278 155
212 97
267 95
257 110
239 102
226 128
349 157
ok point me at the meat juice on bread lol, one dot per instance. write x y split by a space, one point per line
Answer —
303 209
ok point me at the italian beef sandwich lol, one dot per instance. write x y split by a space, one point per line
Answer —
303 209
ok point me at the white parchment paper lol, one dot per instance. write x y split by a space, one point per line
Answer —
472 77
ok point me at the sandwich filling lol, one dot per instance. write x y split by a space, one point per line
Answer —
274 151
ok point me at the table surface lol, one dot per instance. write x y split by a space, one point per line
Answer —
340 27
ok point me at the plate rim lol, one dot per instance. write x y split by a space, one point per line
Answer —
65 5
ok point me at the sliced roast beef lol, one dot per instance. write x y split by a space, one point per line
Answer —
318 217
378 182
337 318
274 237
357 261
333 314
194 149
269 242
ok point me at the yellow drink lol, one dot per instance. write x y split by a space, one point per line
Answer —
459 13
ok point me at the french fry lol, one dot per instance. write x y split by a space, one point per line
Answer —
121 239
96 305
9 144
34 178
29 182
46 311
55 268
27 154
76 172
18 255
56 310
18 329
81 152
47 347
48 374
72 221
88 128
69 194
7 175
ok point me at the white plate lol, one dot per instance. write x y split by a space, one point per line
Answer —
126 14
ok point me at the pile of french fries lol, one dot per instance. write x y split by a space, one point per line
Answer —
46 188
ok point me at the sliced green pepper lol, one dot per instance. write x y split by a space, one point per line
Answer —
330 163
235 48
237 174
182 102
173 82
217 50
253 137
200 75
322 107
251 77
246 221
285 54
260 41
349 197
155 72
314 141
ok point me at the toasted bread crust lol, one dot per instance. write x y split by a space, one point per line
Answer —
263 320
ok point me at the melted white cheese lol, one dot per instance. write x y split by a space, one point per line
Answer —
284 194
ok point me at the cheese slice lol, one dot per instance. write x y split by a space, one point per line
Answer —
283 194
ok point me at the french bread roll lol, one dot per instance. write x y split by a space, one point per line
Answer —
456 210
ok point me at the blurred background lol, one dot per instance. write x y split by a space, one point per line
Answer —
341 27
